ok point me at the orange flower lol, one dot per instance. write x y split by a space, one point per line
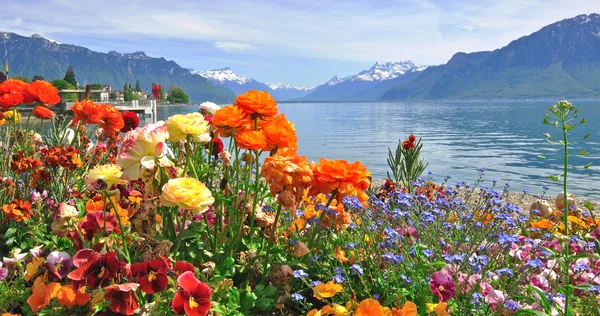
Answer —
228 118
43 92
542 224
287 170
87 112
94 204
280 133
31 269
42 112
68 297
252 140
42 294
349 179
17 210
112 120
327 290
341 255
369 307
12 93
409 309
257 104
21 164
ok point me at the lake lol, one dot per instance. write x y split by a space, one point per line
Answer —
459 139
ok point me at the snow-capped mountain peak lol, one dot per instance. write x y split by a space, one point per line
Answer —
287 86
335 80
46 38
222 75
379 71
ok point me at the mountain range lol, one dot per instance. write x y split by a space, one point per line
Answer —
561 60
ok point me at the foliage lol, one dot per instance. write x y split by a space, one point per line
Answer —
70 77
177 95
22 78
37 77
405 163
62 84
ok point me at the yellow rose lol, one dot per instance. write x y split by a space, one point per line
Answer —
187 193
109 174
181 126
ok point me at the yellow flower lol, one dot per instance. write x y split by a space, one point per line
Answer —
8 117
327 290
32 267
187 193
340 310
439 308
181 126
109 174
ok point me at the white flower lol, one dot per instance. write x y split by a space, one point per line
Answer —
208 107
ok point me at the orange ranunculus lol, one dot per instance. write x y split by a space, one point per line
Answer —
349 179
542 224
68 297
340 254
12 93
257 104
252 140
286 169
17 210
369 307
409 309
87 112
228 118
43 92
42 112
9 100
112 120
280 133
339 220
42 294
327 290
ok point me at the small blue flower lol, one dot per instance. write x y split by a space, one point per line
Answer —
505 271
512 306
356 269
315 283
428 253
338 279
298 274
297 297
376 296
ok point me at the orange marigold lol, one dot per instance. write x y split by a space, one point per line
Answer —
17 210
280 133
348 179
228 118
257 104
111 118
87 112
42 112
43 92
252 140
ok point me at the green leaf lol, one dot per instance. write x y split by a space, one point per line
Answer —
584 153
554 178
10 232
583 120
588 205
545 121
587 135
192 230
541 157
587 165
529 312
568 127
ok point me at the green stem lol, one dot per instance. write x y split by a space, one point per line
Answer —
255 201
271 242
125 246
566 210
181 227
316 230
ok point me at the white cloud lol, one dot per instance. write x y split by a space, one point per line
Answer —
467 28
234 46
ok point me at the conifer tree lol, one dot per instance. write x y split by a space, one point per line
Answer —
70 77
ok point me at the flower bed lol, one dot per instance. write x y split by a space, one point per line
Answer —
100 216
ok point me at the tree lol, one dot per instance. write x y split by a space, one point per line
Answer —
70 77
37 77
62 84
112 96
137 86
95 95
177 95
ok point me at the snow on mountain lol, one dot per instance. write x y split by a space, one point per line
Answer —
379 72
287 86
222 75
46 38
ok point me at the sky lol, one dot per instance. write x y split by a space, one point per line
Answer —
301 42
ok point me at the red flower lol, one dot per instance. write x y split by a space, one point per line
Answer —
194 297
411 138
94 222
82 260
43 92
122 298
208 118
12 93
442 285
151 275
132 121
42 112
406 145
182 266
217 146
98 272
10 100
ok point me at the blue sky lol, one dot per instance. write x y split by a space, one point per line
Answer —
301 42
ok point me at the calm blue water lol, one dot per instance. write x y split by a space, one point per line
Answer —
459 138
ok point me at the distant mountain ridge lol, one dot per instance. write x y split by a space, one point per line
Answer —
227 78
561 60
37 55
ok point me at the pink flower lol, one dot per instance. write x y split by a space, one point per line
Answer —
539 282
442 285
141 147
193 298
494 298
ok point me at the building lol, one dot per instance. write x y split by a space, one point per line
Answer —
105 93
